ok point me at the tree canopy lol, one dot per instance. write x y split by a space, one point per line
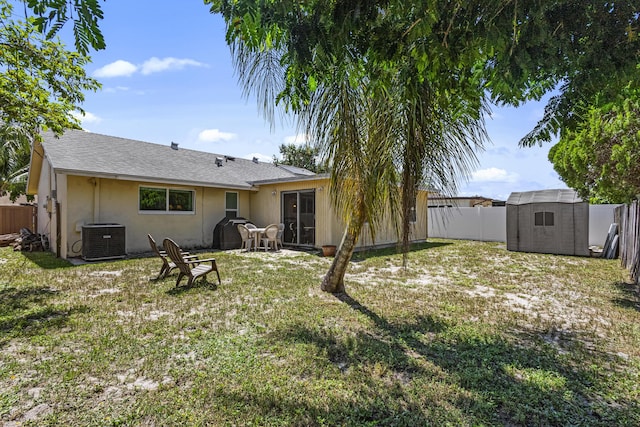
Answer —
600 159
51 15
519 50
302 156
41 83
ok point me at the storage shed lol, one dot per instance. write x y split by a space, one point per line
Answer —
548 221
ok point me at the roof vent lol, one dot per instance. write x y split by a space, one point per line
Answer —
255 160
233 159
174 145
219 161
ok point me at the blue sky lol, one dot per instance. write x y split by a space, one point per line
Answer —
167 76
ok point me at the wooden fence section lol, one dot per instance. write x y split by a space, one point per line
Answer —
13 218
628 219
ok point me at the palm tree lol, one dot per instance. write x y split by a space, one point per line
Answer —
382 129
15 150
352 132
384 142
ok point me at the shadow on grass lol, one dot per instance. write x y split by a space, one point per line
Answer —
28 312
395 250
46 260
183 288
433 372
630 297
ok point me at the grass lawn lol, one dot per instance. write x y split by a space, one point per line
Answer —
470 334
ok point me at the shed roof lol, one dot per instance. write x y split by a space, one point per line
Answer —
83 153
544 196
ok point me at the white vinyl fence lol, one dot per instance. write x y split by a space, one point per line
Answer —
490 224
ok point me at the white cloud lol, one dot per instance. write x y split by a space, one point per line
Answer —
214 135
118 68
260 157
122 68
86 117
298 139
156 65
115 89
493 175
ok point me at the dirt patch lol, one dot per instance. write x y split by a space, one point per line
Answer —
117 273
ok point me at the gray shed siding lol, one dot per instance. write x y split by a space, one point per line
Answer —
548 221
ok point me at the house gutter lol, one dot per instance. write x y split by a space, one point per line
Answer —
305 178
155 180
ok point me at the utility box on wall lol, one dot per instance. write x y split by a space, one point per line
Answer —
103 241
548 221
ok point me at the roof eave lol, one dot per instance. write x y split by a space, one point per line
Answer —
35 168
303 178
124 177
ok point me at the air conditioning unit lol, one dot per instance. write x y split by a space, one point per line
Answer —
103 241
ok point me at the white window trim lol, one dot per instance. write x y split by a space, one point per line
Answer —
166 210
237 208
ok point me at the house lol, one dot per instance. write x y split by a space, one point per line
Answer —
84 178
548 221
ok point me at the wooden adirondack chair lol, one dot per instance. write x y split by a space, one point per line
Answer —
192 268
167 265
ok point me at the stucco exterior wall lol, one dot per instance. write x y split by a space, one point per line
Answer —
266 208
329 228
46 219
95 200
386 234
87 200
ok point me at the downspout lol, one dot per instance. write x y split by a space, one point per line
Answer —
96 199
55 210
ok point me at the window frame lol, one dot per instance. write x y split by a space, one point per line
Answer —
544 219
167 197
227 209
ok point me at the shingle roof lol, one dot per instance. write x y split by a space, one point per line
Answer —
84 153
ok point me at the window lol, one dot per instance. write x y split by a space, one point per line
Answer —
154 199
231 205
543 219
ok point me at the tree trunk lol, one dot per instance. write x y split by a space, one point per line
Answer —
333 281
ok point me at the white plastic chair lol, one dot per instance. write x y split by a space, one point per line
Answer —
247 239
270 237
280 235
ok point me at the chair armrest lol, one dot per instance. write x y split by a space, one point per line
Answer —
206 260
211 260
198 261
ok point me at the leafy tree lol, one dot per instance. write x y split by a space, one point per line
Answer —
15 151
41 83
303 156
52 15
601 158
397 89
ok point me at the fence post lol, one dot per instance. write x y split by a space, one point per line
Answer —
628 219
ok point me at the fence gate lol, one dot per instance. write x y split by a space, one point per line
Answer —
13 218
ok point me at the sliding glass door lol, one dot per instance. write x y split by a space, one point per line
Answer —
299 217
